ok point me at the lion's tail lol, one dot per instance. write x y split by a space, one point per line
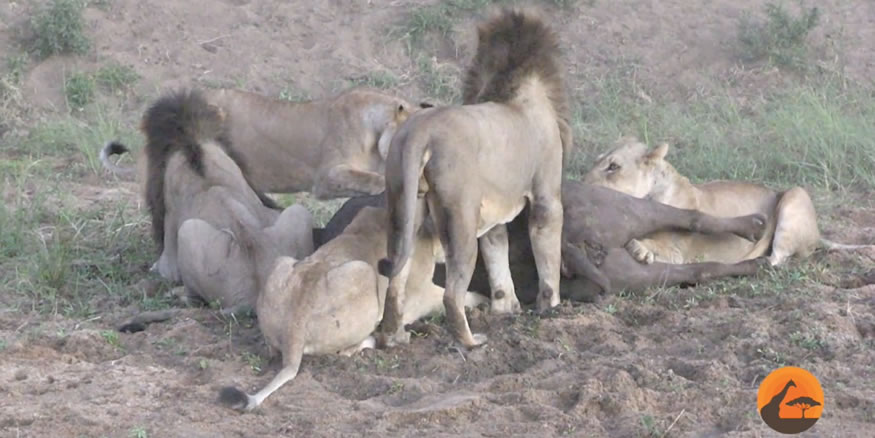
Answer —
114 148
415 153
237 399
829 245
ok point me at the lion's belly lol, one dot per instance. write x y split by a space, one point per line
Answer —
494 212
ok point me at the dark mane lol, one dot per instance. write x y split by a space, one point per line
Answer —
512 47
181 122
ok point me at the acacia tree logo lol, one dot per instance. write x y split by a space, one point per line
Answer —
790 400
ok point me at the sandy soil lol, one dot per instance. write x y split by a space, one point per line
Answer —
677 362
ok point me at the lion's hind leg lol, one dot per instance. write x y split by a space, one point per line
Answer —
545 232
457 231
494 248
212 266
796 230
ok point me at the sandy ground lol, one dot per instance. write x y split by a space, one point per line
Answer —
677 362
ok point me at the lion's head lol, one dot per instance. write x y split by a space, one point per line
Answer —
630 167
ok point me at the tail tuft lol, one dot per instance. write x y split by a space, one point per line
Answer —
234 398
385 267
114 148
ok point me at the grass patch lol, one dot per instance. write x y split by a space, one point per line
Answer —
321 210
377 79
115 77
780 38
440 81
61 257
292 93
71 140
816 135
79 89
60 29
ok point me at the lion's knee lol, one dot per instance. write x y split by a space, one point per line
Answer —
545 213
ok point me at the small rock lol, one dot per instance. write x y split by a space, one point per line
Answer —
20 375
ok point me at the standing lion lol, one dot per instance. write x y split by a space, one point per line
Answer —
477 166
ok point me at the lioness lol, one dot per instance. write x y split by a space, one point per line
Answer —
478 164
792 222
333 147
332 300
195 191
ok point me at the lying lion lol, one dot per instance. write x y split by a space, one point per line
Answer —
477 166
792 222
195 191
331 301
598 224
333 147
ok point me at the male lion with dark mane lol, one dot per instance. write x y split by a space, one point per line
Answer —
332 147
478 165
195 191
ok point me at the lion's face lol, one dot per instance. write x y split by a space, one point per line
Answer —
629 168
401 111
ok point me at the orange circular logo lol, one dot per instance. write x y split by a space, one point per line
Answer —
790 400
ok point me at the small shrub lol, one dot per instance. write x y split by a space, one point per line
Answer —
79 89
780 38
115 77
60 29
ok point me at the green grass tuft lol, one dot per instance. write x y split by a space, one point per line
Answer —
115 77
60 29
79 88
780 38
376 79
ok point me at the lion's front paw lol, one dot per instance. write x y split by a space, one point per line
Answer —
503 304
640 252
387 340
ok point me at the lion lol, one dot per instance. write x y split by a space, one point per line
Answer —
792 222
195 190
331 301
477 165
598 223
332 148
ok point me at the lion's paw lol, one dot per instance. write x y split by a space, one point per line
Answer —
505 305
640 252
400 337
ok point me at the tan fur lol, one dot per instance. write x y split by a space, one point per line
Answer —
331 301
195 188
478 165
332 147
199 248
792 224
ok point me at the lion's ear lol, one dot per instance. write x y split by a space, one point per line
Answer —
658 154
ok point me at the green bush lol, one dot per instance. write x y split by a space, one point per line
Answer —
79 89
60 29
780 38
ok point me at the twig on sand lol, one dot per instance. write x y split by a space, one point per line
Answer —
212 40
673 423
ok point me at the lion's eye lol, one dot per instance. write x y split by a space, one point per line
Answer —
613 167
